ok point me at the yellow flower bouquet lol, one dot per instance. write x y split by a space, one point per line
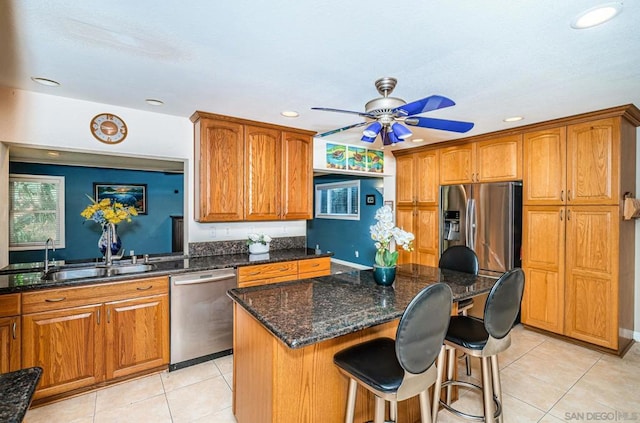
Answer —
108 211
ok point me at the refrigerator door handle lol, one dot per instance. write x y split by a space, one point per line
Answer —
471 218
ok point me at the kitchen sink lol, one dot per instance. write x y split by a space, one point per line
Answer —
96 271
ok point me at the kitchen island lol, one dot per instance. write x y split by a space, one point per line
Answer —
285 336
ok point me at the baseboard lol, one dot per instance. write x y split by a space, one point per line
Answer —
350 264
636 336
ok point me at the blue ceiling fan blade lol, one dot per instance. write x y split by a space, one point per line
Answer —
442 124
327 109
335 131
426 104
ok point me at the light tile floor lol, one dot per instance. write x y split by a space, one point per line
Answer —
544 380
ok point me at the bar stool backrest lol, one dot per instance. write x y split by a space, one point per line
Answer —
422 328
459 258
503 303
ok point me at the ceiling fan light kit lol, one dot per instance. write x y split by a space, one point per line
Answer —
387 113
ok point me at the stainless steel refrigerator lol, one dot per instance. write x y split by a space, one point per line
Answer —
488 219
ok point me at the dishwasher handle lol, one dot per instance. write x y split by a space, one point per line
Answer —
204 278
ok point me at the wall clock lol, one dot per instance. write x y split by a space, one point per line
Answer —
108 128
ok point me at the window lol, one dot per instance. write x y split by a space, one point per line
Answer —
340 200
36 211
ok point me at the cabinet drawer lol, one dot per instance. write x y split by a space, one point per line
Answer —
315 266
281 271
59 298
9 305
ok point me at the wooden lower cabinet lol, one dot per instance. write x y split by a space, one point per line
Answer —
137 335
10 332
68 345
9 344
261 274
572 258
87 336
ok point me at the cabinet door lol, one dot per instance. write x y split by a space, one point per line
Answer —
219 172
69 346
405 219
137 335
593 162
427 178
592 275
405 180
545 171
499 159
297 176
262 183
455 165
426 233
9 344
543 252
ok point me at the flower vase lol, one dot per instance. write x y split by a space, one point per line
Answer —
258 248
384 276
116 243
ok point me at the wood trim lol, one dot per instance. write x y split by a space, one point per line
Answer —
629 112
199 114
10 305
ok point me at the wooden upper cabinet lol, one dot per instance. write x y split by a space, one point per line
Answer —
593 162
297 176
544 179
417 178
219 151
405 180
456 164
250 171
498 159
262 181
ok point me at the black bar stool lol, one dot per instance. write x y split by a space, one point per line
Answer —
485 339
397 370
462 259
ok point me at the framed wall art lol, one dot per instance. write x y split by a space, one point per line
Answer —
128 194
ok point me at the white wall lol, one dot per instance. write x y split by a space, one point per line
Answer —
45 121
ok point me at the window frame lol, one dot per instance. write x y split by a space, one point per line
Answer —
60 210
337 185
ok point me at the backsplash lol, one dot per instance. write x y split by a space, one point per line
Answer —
217 248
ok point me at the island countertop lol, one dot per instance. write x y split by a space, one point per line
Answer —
308 311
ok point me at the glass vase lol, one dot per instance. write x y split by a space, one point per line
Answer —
384 276
116 243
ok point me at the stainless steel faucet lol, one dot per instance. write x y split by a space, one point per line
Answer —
46 253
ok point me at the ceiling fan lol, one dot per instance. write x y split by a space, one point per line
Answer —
387 114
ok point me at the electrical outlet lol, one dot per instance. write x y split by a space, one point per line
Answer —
357 253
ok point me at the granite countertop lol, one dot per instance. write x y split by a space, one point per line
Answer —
16 392
28 279
308 311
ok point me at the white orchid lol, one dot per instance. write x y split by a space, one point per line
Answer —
384 233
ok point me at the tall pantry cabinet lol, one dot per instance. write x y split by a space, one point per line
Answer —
417 193
578 252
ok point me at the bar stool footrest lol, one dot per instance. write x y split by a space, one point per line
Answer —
462 414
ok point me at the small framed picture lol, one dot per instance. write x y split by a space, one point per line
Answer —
371 200
389 203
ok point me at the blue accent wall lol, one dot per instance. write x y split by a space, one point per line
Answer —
344 237
146 234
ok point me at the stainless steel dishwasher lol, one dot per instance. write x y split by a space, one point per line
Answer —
201 316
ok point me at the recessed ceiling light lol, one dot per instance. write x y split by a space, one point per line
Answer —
290 114
417 139
154 102
53 153
513 119
596 15
45 81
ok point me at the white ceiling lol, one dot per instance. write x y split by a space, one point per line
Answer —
254 59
